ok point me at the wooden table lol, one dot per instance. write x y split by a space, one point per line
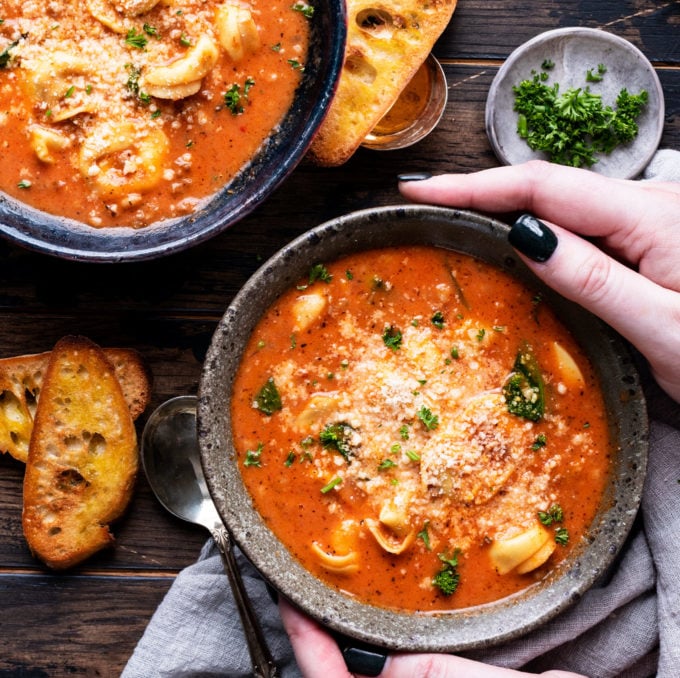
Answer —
87 622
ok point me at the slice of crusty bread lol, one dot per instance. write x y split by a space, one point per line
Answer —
21 380
82 459
387 42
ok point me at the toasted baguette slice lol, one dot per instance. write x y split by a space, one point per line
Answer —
387 42
82 459
21 381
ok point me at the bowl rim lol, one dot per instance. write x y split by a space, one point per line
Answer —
458 630
46 233
494 125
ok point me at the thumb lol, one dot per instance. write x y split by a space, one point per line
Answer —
643 312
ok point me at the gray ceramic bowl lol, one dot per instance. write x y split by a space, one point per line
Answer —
574 51
452 631
277 158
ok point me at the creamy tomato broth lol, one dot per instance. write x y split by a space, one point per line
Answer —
131 111
419 429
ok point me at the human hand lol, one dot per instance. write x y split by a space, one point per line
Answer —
631 281
317 654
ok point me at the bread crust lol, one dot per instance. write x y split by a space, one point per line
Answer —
386 44
21 381
82 460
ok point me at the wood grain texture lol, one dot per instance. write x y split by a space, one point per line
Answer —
86 622
73 625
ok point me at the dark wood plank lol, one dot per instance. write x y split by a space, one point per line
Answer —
73 626
493 29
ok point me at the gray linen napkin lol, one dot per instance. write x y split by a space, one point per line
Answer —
628 625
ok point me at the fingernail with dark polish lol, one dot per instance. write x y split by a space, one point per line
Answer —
414 176
532 238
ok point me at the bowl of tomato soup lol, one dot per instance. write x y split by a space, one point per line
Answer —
134 130
413 439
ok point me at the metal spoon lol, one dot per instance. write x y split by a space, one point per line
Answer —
172 464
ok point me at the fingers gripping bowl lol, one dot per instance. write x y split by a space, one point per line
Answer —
446 628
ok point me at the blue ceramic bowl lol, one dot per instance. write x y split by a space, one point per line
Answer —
277 158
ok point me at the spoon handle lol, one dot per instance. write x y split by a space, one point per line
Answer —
263 663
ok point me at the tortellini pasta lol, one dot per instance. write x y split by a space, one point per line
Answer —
236 29
52 77
344 558
306 309
104 12
319 408
523 552
570 372
116 15
392 530
183 76
120 160
46 142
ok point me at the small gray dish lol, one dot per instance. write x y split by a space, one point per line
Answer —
475 627
574 51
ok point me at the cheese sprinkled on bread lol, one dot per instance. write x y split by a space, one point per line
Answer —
82 460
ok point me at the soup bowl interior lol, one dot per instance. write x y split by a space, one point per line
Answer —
449 631
277 157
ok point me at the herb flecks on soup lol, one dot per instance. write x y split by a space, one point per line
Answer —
130 112
419 429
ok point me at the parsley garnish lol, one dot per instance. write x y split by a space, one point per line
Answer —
336 437
574 126
132 84
385 464
136 40
306 10
5 55
553 515
438 320
562 536
333 483
392 337
319 272
539 442
431 421
523 390
425 535
289 459
596 77
24 183
412 455
448 578
150 30
235 96
268 399
253 456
